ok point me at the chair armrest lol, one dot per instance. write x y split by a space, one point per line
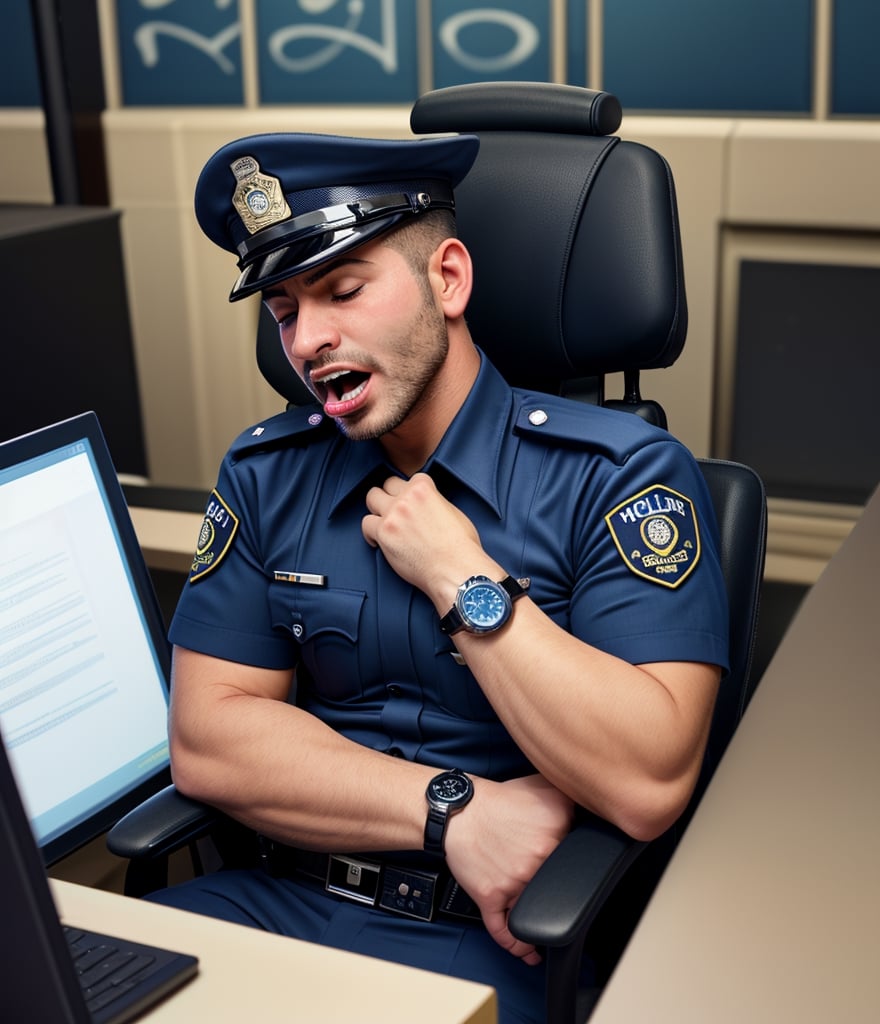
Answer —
560 903
165 822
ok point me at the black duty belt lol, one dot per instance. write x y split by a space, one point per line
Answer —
412 891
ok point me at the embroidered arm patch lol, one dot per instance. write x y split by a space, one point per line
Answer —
215 537
657 535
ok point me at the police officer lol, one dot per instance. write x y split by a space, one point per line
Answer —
429 615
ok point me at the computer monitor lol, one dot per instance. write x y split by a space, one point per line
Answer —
84 660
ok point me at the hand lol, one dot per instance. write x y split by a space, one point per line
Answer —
495 845
426 539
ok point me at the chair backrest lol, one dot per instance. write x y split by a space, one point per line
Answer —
578 274
740 504
574 234
274 364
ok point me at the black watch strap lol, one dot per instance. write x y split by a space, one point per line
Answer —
515 587
451 622
435 831
447 793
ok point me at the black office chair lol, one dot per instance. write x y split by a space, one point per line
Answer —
578 274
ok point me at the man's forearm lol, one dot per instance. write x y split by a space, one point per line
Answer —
621 740
280 770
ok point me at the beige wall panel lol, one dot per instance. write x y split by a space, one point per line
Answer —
805 173
140 154
159 321
144 185
696 151
24 161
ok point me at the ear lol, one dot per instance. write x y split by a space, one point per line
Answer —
451 274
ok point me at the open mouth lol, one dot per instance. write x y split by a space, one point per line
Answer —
339 391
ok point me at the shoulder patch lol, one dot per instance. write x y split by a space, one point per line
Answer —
215 537
657 535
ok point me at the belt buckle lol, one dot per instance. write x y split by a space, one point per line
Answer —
356 880
411 893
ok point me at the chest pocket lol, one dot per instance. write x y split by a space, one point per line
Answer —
325 623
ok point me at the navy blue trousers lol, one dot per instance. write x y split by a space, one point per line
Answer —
303 911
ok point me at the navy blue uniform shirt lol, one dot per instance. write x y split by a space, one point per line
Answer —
608 516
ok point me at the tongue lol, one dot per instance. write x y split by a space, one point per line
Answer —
349 391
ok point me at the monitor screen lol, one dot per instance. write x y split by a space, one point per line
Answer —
83 656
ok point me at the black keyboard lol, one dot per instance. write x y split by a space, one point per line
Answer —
106 969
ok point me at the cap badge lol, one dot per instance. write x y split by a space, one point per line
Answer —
258 197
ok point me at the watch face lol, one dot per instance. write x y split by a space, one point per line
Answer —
485 606
451 788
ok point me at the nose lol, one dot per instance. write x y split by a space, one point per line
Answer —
310 334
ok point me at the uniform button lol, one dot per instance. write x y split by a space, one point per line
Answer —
394 690
394 752
538 417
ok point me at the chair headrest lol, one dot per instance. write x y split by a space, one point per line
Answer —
574 236
516 106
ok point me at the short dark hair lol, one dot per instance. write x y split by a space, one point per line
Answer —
417 239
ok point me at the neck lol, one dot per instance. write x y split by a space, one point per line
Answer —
411 444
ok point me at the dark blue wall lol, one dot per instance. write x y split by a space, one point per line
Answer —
752 57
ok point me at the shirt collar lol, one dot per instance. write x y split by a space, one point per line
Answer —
469 451
471 448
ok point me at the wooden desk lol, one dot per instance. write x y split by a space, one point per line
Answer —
770 909
249 975
167 537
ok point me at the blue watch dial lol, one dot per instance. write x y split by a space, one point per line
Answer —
484 605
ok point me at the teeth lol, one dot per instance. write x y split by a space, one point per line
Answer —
334 376
347 397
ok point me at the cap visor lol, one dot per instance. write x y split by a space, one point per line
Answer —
306 254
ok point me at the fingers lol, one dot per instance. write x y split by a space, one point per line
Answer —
398 512
496 925
379 502
381 497
417 530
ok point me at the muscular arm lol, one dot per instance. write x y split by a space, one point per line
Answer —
622 740
238 745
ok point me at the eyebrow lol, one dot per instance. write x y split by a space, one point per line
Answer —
277 292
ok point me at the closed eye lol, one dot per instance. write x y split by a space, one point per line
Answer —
289 318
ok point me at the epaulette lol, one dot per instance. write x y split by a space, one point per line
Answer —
300 425
565 422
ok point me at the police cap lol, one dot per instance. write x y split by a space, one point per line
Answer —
285 203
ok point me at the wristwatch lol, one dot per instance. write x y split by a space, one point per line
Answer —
482 605
447 793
